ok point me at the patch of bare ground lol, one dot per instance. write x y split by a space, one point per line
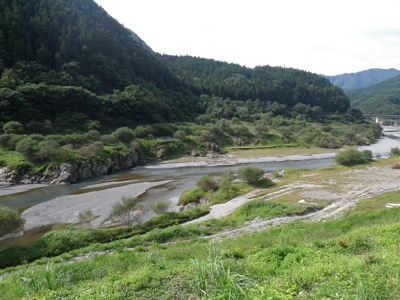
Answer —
343 189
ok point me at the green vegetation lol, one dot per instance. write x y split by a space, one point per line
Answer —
207 183
382 98
76 87
10 220
348 258
216 191
128 211
160 206
86 216
353 156
250 174
395 151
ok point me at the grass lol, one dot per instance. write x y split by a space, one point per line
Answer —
376 203
351 258
355 257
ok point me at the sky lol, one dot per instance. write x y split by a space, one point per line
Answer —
319 36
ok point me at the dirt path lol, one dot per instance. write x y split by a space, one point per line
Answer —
343 190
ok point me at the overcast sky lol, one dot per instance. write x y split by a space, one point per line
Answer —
320 36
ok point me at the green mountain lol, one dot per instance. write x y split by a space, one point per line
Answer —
50 35
362 79
382 98
268 84
67 64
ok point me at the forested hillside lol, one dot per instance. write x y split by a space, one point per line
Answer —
267 84
362 79
68 64
73 42
382 98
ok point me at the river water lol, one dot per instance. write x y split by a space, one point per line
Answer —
46 205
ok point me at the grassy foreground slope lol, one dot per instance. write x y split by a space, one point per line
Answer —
354 257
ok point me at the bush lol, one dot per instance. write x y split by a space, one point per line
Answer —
28 148
47 150
160 207
395 151
179 134
207 183
93 136
250 174
109 140
10 220
127 211
13 127
326 141
353 156
190 196
124 135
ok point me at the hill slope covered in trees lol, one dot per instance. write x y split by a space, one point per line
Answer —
382 98
68 64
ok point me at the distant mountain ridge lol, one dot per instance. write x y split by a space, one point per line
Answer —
362 79
382 98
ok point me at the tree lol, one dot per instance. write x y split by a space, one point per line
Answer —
10 220
353 156
395 151
28 148
160 207
127 211
124 135
140 212
179 134
207 183
86 216
250 174
13 127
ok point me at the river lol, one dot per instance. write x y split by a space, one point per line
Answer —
43 206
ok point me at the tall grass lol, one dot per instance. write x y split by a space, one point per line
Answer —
216 280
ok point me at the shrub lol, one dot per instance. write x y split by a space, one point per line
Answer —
13 127
190 196
207 183
124 135
86 216
141 131
10 220
93 135
250 174
179 134
353 156
326 141
160 207
28 148
109 139
127 211
395 151
47 150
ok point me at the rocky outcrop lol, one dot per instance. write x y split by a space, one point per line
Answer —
69 173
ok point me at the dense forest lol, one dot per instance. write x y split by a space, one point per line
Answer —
266 84
77 88
382 98
67 64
